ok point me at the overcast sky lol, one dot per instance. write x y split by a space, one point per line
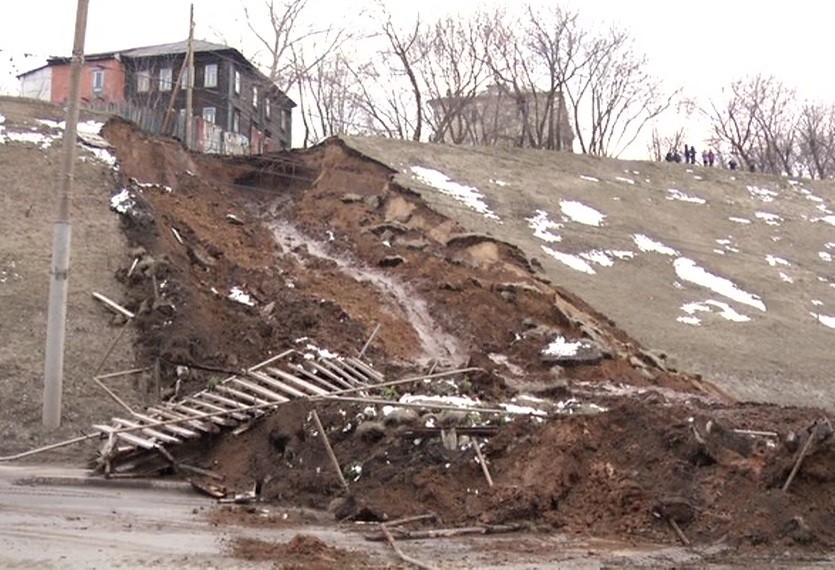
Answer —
698 45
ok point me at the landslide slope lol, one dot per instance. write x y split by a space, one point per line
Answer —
729 272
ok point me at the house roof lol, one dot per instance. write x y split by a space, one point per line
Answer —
175 48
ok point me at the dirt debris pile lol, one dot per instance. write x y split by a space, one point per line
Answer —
240 258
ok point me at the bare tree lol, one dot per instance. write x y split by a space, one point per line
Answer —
409 52
659 145
816 139
758 123
613 97
452 72
327 98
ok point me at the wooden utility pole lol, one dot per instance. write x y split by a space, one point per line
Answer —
190 80
57 312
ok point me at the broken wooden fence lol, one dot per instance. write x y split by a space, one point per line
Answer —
145 437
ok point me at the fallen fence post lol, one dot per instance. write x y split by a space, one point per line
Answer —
679 532
482 462
329 450
403 556
803 451
50 447
113 305
368 342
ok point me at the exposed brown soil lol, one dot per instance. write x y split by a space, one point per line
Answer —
618 473
301 552
328 247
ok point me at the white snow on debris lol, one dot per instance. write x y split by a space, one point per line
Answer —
570 260
122 202
739 220
470 196
688 270
622 179
561 347
679 195
498 182
238 295
2 119
774 261
695 321
458 401
785 277
817 302
825 255
522 410
645 243
321 352
589 178
825 320
828 219
580 213
763 194
542 226
725 310
769 218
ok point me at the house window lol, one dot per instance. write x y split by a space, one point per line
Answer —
236 121
285 120
143 81
165 81
98 81
184 79
267 109
210 75
255 96
210 114
237 81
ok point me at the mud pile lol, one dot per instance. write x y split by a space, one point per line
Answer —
238 259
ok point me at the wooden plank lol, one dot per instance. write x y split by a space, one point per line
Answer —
338 379
245 396
228 403
273 383
198 400
190 411
302 384
361 377
377 376
134 440
315 378
148 431
184 420
253 387
343 372
173 428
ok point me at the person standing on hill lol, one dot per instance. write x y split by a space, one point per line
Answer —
686 154
704 158
711 157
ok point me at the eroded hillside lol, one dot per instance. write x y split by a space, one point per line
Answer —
490 392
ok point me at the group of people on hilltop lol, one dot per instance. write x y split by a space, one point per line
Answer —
708 156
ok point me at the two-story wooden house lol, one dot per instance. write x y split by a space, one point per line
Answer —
229 93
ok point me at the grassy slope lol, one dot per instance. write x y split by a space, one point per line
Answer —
782 354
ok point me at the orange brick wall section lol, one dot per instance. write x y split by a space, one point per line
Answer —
114 82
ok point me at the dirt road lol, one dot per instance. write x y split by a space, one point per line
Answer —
52 517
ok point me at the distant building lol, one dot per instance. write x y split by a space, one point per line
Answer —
500 117
229 95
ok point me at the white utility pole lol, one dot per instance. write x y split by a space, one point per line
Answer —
190 80
57 315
